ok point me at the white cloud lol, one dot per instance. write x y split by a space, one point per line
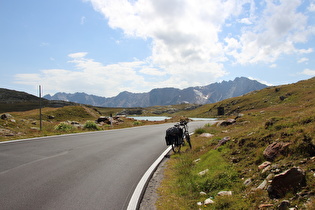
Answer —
274 33
190 42
312 7
187 32
152 71
303 60
78 55
184 34
245 21
308 72
90 76
261 81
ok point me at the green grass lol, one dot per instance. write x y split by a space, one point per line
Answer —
265 119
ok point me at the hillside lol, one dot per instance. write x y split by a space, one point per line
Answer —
263 157
167 96
12 100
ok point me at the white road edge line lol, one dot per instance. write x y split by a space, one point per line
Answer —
136 197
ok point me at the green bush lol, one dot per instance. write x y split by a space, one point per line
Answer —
137 123
64 127
90 125
200 131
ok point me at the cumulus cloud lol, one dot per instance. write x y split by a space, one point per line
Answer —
311 8
98 79
186 32
308 72
303 60
191 42
275 32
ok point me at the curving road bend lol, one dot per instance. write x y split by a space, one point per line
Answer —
96 170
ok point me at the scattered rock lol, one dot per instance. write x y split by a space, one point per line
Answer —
5 116
227 122
247 181
264 165
284 205
201 173
197 160
207 135
262 185
51 117
203 193
262 206
199 203
270 176
274 149
224 193
208 201
266 169
289 181
6 132
223 141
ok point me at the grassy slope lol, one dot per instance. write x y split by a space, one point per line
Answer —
26 124
285 113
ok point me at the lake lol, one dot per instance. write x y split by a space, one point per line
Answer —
161 118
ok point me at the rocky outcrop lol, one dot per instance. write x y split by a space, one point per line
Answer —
274 149
223 141
289 181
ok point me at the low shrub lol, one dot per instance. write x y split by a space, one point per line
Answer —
90 125
64 127
200 131
137 123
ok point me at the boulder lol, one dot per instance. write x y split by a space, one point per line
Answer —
227 122
274 149
289 181
223 141
5 116
103 119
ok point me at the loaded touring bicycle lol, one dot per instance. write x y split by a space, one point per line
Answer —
177 136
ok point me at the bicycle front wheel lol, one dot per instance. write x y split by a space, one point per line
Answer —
188 139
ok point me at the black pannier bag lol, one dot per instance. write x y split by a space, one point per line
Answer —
173 134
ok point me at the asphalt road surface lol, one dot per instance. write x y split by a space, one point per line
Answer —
96 170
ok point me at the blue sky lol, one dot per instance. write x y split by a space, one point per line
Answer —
104 47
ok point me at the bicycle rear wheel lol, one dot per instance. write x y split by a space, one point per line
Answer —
176 146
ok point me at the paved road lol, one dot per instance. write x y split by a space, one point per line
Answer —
97 170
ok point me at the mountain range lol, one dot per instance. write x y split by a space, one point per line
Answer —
167 96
